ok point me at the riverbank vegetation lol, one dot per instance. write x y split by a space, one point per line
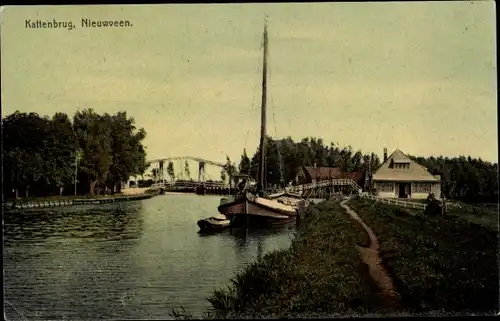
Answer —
320 274
437 263
485 214
41 154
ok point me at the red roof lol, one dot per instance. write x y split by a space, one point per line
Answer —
358 177
323 173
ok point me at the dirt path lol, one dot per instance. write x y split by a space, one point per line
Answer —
370 256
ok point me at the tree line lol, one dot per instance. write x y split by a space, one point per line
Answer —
468 179
463 178
284 157
43 155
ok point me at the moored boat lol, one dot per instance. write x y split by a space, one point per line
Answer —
252 208
214 223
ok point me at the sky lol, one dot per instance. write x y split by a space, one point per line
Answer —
417 76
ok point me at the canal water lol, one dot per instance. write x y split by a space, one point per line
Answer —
131 260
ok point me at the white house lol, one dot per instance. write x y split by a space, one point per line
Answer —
401 177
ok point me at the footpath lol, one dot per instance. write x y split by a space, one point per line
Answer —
370 256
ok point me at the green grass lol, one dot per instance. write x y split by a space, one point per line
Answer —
442 263
485 215
321 274
411 200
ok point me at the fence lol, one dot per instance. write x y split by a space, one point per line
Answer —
404 204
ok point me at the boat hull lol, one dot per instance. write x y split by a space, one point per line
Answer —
207 226
241 221
244 212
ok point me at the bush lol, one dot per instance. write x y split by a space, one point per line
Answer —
434 208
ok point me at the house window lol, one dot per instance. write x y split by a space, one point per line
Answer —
385 187
401 165
421 187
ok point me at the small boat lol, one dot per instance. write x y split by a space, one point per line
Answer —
214 223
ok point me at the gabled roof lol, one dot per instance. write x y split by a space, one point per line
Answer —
399 157
358 177
416 172
323 172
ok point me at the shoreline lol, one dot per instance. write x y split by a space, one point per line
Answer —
322 272
58 201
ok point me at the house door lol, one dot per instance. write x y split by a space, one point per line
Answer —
402 190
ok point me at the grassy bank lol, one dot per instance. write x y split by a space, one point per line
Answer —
445 263
483 214
321 274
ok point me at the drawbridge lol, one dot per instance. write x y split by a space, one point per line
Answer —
183 175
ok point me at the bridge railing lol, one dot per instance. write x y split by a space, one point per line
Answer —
357 189
161 184
189 184
330 182
405 204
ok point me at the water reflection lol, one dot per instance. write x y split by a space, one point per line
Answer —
67 258
108 222
124 260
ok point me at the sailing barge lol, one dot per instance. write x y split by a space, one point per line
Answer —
252 208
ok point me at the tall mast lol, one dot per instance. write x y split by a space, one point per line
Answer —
263 115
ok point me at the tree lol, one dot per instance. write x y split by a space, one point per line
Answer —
155 173
160 170
356 161
244 166
345 160
128 153
39 155
230 169
93 135
25 138
40 152
290 159
170 171
271 163
64 151
186 169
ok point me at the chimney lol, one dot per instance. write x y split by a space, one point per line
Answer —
385 154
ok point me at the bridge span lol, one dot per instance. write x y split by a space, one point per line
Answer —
160 165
